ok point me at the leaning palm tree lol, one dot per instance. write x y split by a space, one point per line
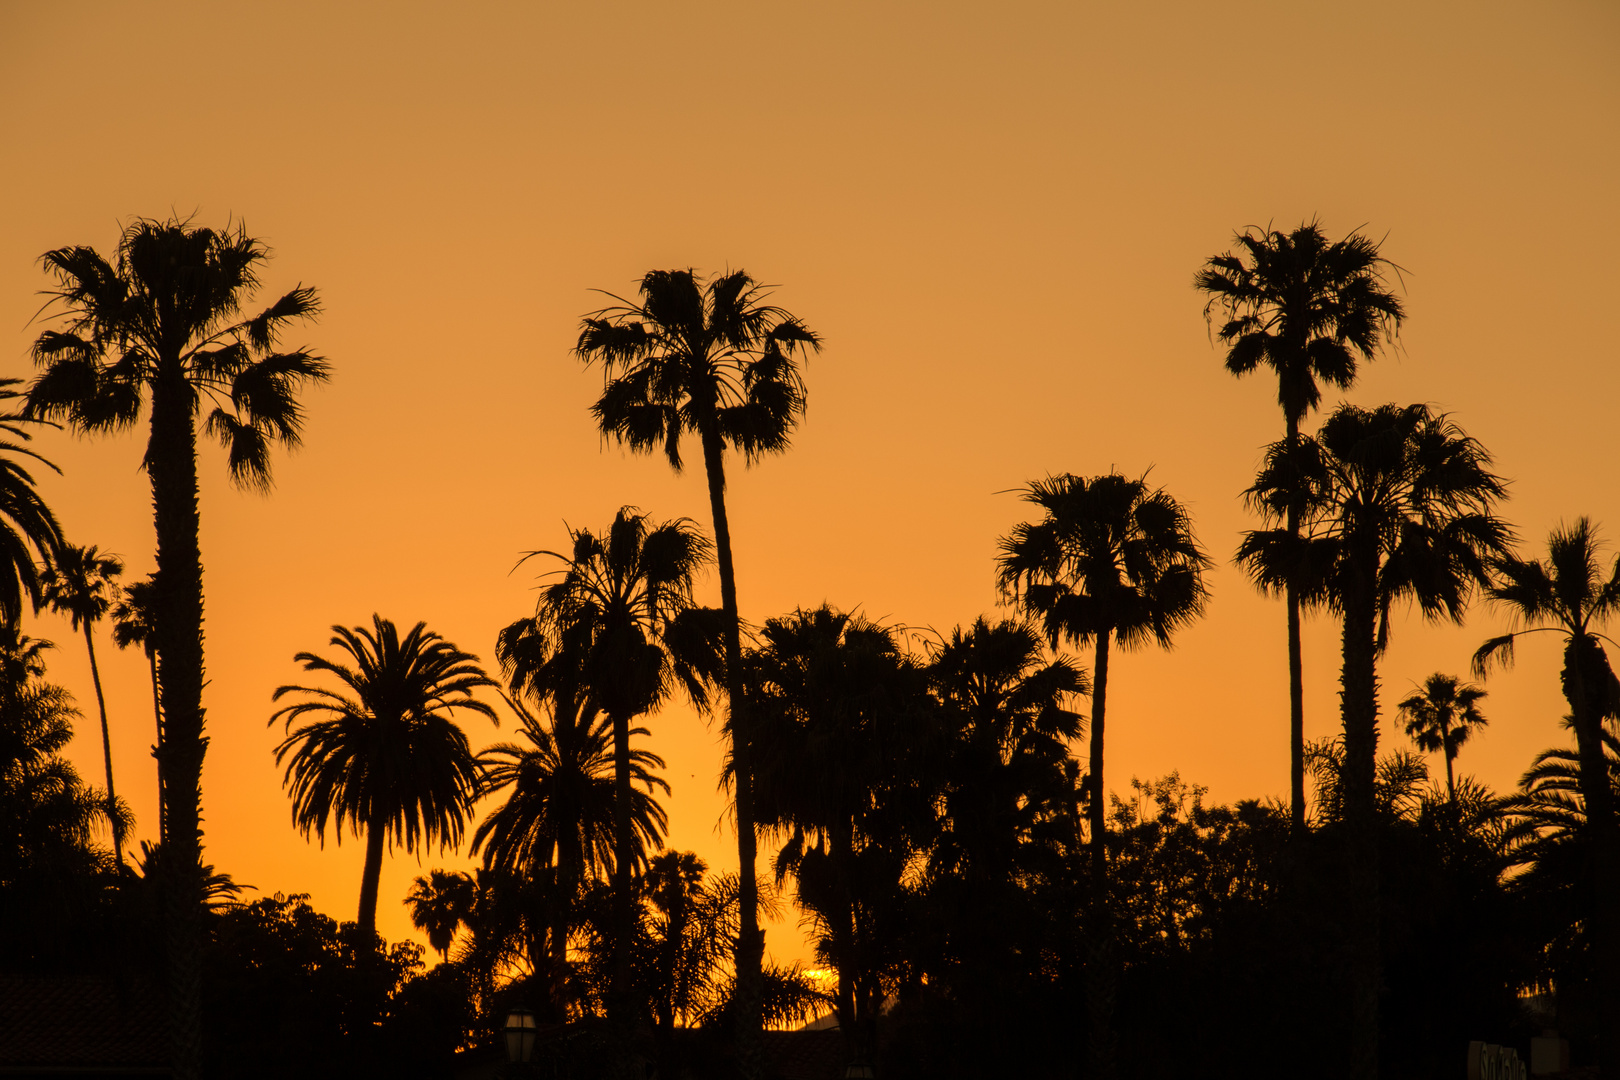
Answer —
1307 309
1440 717
1571 594
618 626
715 361
29 533
1112 561
132 625
164 320
80 582
384 755
1400 508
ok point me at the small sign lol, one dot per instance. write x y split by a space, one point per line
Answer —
1487 1061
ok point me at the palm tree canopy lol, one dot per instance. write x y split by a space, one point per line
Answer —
619 620
170 307
1567 592
695 357
27 526
384 753
1111 555
1306 308
79 582
1400 501
134 614
996 679
1442 714
560 786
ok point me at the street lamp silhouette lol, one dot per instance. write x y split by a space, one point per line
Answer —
520 1033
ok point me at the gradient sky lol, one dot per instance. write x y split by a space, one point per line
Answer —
991 212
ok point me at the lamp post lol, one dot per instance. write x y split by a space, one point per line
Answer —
520 1033
858 1071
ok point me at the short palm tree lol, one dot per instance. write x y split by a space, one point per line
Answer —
1572 595
1112 561
28 529
1400 508
440 902
1440 717
1309 310
560 812
716 361
618 627
132 625
80 582
163 320
384 755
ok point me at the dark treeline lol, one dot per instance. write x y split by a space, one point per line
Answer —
982 896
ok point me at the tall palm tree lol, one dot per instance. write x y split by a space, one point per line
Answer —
80 582
1309 310
384 755
618 625
28 528
715 361
132 625
163 320
561 810
1440 717
1400 508
1570 594
1112 561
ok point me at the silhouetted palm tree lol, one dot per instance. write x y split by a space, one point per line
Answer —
715 361
164 320
132 625
560 814
80 582
27 526
1111 561
440 903
1307 309
1569 594
1441 716
618 626
384 755
1400 509
840 723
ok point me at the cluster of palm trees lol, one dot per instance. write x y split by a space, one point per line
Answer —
886 770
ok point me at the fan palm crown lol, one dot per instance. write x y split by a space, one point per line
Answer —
383 755
1441 716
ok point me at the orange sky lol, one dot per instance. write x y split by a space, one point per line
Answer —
992 214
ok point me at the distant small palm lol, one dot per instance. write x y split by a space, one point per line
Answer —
80 582
439 904
1440 717
384 756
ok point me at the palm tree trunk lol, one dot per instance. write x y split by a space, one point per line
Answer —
157 748
1584 665
1451 779
106 746
1101 981
370 877
1296 666
750 940
171 463
619 1005
1359 705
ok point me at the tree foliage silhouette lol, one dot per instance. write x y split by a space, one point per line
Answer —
383 755
133 625
28 528
1309 310
163 320
716 361
80 582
